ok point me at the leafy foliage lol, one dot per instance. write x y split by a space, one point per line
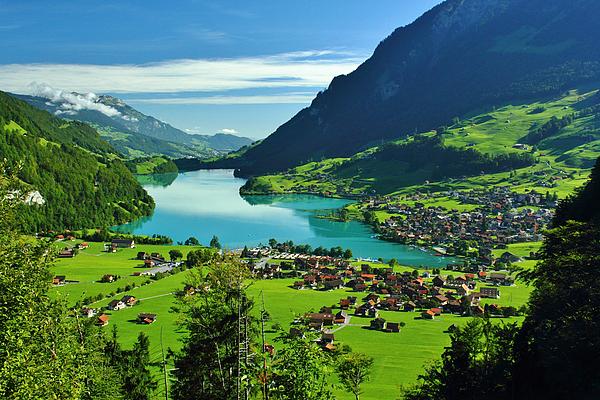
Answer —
77 174
215 361
44 353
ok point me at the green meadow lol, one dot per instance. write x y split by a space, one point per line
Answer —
399 358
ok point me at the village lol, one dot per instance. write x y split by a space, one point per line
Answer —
499 217
377 288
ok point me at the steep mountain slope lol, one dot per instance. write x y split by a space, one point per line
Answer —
461 57
74 179
544 145
131 132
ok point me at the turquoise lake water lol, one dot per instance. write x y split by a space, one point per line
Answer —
207 203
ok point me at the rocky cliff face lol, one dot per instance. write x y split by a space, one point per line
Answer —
460 57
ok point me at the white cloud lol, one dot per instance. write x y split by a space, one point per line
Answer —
229 131
279 98
297 69
70 103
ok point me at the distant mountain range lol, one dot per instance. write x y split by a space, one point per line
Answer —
131 132
461 58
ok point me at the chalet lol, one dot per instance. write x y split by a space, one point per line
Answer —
327 338
145 318
129 300
142 255
59 280
366 310
102 320
440 299
439 281
108 278
377 324
66 253
299 285
88 312
83 245
344 304
372 297
490 293
341 317
317 320
453 306
361 287
116 305
436 311
123 243
333 284
392 327
428 314
462 290
409 306
507 258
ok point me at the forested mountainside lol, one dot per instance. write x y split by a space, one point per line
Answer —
460 58
131 132
72 178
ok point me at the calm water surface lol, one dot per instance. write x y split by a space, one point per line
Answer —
207 203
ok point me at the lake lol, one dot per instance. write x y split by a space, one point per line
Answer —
207 203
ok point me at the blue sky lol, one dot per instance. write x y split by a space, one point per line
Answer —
204 66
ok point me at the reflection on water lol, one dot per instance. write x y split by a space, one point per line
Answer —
207 203
163 180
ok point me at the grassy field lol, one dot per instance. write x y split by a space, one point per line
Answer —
399 358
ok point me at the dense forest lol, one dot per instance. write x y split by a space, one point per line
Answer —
551 356
46 353
442 161
82 181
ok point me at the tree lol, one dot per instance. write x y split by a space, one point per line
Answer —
272 243
214 242
478 362
245 252
175 254
216 360
192 241
353 370
40 345
200 257
300 368
348 254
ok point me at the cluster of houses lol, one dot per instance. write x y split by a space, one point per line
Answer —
447 231
70 252
116 305
119 243
400 291
155 264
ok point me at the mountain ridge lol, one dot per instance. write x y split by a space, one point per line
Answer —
460 56
131 132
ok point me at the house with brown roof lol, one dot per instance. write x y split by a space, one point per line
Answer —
102 320
146 318
392 327
116 305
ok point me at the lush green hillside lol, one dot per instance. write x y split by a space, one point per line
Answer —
81 180
462 56
152 165
481 150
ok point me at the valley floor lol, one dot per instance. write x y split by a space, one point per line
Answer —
399 357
